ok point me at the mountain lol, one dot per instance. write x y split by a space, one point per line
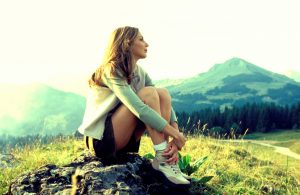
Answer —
39 109
234 82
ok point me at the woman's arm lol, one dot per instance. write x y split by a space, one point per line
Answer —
142 111
130 99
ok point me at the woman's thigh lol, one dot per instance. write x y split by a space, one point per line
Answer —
124 123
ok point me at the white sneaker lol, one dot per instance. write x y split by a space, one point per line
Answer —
186 176
171 173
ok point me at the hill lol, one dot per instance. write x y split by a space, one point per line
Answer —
234 82
39 109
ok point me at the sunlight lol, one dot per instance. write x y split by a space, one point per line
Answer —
13 105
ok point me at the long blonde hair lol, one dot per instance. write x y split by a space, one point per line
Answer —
118 57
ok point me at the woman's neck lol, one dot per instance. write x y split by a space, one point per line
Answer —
134 61
133 68
134 65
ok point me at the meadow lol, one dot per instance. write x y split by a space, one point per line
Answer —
237 168
285 138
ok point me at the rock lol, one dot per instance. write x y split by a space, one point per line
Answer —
87 174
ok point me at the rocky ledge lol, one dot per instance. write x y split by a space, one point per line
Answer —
87 174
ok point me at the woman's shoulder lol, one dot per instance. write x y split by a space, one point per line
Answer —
139 70
110 73
97 93
101 87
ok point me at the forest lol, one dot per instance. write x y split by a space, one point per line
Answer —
230 122
235 121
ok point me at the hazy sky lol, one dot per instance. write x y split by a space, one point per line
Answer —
61 42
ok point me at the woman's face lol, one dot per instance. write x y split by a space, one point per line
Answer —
139 47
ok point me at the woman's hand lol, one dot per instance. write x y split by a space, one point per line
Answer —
171 152
175 125
179 140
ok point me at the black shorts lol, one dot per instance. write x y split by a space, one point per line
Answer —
106 148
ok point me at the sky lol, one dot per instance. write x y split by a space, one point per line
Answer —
61 42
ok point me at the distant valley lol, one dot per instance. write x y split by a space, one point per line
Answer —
39 109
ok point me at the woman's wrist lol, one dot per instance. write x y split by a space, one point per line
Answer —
175 125
171 131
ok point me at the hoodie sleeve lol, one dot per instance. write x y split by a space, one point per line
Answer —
131 100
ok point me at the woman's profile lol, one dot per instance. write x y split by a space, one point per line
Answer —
123 103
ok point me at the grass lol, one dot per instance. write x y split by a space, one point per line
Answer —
238 168
284 162
293 145
277 135
285 138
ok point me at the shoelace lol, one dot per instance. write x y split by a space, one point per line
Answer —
175 168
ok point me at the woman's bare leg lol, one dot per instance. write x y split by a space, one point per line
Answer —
165 109
165 105
124 121
150 96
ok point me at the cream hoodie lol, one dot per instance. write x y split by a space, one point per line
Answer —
100 100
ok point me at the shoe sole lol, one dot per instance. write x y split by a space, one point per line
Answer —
168 182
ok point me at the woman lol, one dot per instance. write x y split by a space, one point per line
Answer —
123 102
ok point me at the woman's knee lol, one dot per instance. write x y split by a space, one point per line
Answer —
164 95
148 94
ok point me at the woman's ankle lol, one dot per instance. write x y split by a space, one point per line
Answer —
162 146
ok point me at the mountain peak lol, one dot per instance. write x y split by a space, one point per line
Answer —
235 64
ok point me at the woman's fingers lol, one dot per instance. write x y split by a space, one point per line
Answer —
169 151
173 159
169 146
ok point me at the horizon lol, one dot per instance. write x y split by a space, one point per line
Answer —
82 89
186 38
